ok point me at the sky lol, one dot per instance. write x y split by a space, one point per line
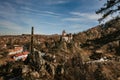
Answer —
48 16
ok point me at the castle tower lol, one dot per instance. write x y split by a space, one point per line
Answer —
63 33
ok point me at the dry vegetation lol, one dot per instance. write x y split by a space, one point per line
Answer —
78 60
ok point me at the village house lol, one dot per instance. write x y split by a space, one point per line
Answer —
18 53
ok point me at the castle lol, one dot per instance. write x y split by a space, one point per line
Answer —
66 37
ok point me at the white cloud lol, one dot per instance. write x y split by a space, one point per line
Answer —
23 2
52 24
76 26
72 19
9 25
51 13
7 10
92 16
78 16
54 2
38 12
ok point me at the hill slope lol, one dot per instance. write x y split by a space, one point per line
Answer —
91 55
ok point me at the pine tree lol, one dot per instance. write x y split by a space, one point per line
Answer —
110 7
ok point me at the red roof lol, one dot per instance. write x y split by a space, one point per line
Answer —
23 53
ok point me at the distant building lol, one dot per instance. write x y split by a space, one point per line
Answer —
21 56
16 50
17 53
66 37
64 33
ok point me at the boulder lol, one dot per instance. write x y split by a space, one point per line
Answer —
25 69
35 74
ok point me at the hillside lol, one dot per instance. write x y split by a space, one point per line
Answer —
90 55
102 37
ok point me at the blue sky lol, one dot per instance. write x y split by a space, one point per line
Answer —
48 16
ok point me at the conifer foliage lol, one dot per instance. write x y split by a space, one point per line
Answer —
110 7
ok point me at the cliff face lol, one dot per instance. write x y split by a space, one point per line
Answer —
91 55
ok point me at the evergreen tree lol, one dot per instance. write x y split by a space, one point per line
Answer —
110 7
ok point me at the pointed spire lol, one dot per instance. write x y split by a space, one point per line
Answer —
32 34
